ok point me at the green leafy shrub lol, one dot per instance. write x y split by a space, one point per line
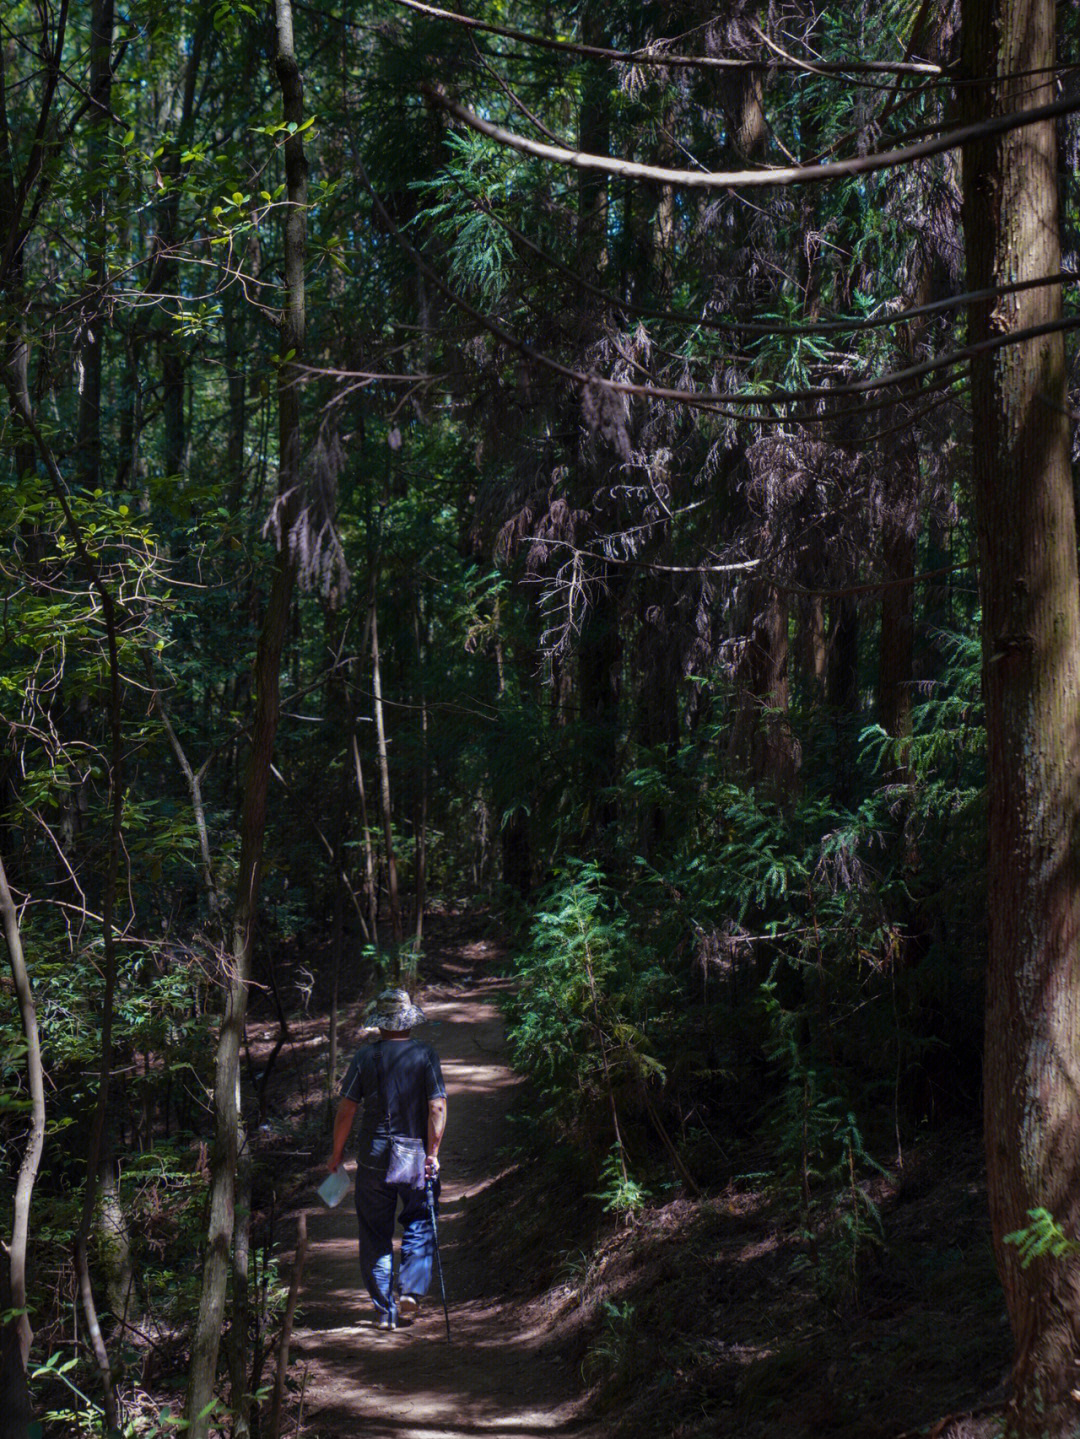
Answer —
582 1017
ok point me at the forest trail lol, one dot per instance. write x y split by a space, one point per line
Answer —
499 1376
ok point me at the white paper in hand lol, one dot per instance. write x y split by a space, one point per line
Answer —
334 1188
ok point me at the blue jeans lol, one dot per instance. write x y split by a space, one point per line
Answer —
376 1207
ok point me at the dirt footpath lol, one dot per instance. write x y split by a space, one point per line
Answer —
496 1378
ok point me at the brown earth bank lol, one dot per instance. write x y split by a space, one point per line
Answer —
701 1317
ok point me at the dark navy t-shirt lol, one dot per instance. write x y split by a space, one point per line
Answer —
411 1077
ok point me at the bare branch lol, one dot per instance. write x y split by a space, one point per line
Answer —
757 179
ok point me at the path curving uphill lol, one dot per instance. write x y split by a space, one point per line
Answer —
499 1377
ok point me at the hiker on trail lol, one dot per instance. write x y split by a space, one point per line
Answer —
400 1084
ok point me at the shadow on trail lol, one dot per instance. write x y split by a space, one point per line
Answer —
499 1376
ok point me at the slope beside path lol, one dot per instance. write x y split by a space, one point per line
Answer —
497 1377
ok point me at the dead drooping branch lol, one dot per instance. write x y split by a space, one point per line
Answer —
704 400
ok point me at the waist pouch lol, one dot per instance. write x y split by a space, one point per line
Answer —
406 1162
406 1159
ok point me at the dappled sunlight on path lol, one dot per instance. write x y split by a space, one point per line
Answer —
496 1378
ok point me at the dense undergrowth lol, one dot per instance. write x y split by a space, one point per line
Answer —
790 974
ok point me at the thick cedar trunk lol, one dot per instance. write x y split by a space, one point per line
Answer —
108 907
842 690
742 101
598 657
899 534
220 1226
1031 636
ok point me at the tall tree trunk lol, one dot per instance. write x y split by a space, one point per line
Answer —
236 380
239 1393
112 1243
101 39
1031 667
897 640
339 718
761 740
384 797
15 1331
369 854
842 690
16 351
842 679
815 649
127 467
207 1335
594 126
420 825
165 272
336 954
657 668
931 35
600 686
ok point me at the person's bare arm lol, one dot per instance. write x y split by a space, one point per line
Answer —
436 1128
343 1122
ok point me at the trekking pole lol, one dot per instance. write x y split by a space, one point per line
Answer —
429 1190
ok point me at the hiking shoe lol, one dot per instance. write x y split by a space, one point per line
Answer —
408 1306
385 1322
